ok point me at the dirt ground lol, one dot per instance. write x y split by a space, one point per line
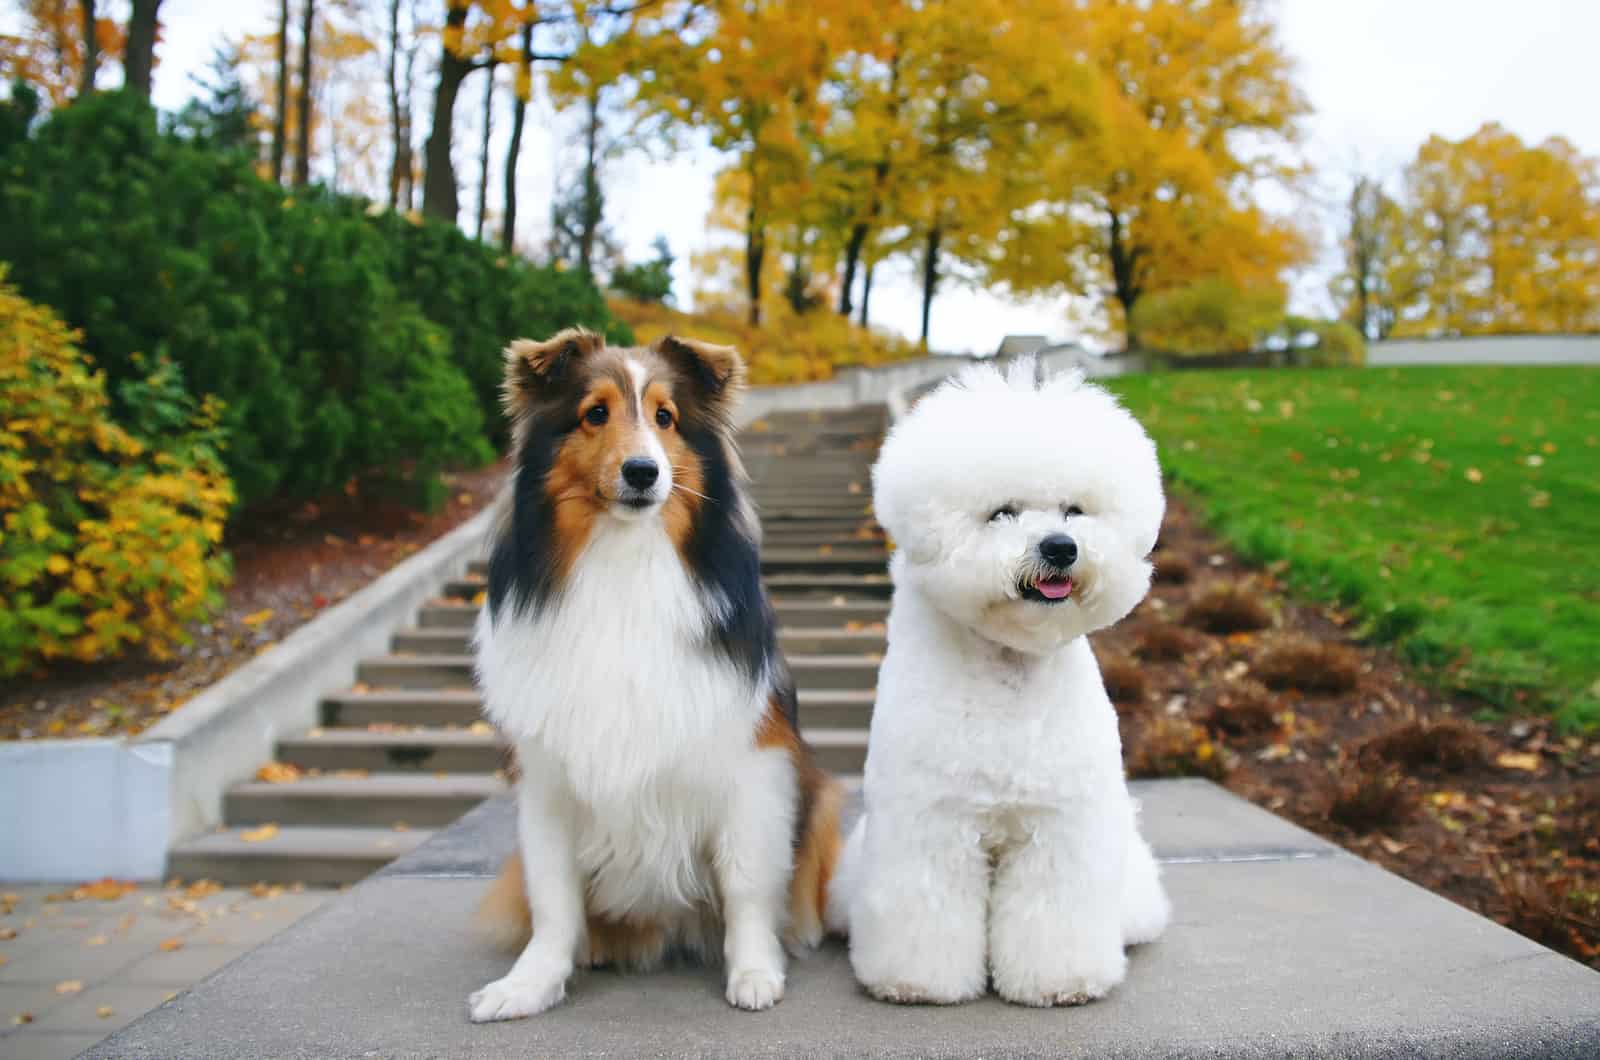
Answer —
288 565
1219 674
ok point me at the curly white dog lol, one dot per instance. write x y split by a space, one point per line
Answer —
999 838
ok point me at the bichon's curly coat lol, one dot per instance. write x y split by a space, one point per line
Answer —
999 839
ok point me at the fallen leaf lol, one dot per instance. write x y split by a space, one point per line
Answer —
171 945
203 889
1525 761
21 1018
105 1012
7 934
1474 475
256 618
106 890
401 826
259 835
478 598
279 773
95 940
68 987
1393 846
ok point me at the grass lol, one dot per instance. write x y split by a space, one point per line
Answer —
1454 509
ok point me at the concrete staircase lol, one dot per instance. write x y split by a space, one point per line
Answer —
404 750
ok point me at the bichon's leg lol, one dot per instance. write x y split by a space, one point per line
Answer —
1055 924
918 909
538 979
753 863
1145 909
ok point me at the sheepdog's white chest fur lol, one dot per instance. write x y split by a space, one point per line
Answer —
614 683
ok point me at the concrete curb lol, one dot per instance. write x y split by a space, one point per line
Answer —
224 733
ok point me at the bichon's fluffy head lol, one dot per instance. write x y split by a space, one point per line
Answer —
1023 511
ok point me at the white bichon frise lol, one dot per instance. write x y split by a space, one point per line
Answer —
999 840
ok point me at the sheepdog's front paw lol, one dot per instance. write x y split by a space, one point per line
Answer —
1071 978
754 989
515 997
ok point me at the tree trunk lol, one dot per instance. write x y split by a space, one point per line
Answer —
302 155
1124 277
755 247
280 120
439 179
592 206
483 150
408 191
866 292
519 116
396 126
91 48
139 60
930 278
852 255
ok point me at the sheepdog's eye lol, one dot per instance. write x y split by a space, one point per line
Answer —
1005 511
663 418
597 416
1071 509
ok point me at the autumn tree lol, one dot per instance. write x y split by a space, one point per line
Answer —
302 152
1198 109
1366 288
1498 236
52 51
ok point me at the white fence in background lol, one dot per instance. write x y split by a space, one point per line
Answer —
1487 349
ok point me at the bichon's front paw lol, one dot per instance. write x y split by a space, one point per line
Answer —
513 998
901 992
1076 980
754 989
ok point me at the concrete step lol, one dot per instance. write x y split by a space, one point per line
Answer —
427 750
310 854
417 671
408 709
871 586
401 707
827 560
838 750
440 614
372 801
794 612
418 641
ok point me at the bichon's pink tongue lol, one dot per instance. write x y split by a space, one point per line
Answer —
1057 589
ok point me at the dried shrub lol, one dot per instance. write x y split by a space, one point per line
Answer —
1449 744
1175 747
1364 800
1242 712
1228 608
1165 643
1309 665
1125 681
1173 568
1545 911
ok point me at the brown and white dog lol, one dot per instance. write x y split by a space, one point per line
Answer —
627 650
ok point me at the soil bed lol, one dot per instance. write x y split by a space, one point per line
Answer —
1502 816
288 565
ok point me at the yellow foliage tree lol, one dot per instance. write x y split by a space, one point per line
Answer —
49 50
1497 236
1197 110
106 541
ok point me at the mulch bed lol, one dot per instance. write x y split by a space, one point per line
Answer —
288 565
1220 674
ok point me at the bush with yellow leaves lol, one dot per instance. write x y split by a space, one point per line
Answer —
108 540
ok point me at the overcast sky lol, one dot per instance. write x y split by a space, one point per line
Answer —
1381 76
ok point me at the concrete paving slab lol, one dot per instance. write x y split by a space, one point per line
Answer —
47 1045
1304 952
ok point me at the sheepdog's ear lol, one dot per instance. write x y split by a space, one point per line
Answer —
535 370
714 374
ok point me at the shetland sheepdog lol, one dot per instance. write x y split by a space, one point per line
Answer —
665 798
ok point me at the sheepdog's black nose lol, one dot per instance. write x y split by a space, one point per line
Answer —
1059 550
640 472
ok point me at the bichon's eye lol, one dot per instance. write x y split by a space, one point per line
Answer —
1005 511
1072 509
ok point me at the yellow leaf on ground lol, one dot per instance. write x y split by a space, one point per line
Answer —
106 890
68 987
21 1018
481 728
1523 760
478 598
279 773
203 889
255 619
105 1012
259 835
171 945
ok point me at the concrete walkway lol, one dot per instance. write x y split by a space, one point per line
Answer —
1282 945
76 964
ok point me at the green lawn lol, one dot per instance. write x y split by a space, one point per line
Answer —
1457 510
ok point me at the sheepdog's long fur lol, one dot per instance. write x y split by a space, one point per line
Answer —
665 799
999 841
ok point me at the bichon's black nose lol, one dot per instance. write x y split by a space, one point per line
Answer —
640 472
1059 550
